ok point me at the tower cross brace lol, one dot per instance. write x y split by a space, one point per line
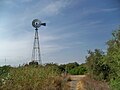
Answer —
36 56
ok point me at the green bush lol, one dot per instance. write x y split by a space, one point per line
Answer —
80 70
115 83
4 71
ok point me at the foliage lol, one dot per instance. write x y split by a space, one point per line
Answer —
4 70
80 70
70 66
97 68
62 68
4 73
106 66
115 83
67 67
113 59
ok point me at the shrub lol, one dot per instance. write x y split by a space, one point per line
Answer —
115 83
80 70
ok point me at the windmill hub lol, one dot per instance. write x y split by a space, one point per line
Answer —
37 23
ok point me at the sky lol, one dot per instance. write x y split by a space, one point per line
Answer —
73 27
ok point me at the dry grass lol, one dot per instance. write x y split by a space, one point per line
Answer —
87 83
33 78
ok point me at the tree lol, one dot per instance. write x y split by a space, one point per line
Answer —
113 59
96 66
70 66
113 53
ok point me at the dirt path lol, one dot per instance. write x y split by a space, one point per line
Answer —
73 85
74 79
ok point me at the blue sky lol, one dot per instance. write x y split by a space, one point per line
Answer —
73 27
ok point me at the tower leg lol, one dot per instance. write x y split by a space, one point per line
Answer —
36 56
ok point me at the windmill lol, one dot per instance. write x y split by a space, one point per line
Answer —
36 55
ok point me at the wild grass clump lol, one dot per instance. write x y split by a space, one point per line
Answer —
88 83
32 78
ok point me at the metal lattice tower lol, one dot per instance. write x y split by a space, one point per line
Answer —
36 56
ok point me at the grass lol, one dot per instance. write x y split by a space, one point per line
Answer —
32 78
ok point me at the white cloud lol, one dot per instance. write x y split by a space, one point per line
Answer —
98 10
47 38
14 48
15 1
56 7
92 23
49 49
109 9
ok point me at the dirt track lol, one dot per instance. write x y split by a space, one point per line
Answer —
74 79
